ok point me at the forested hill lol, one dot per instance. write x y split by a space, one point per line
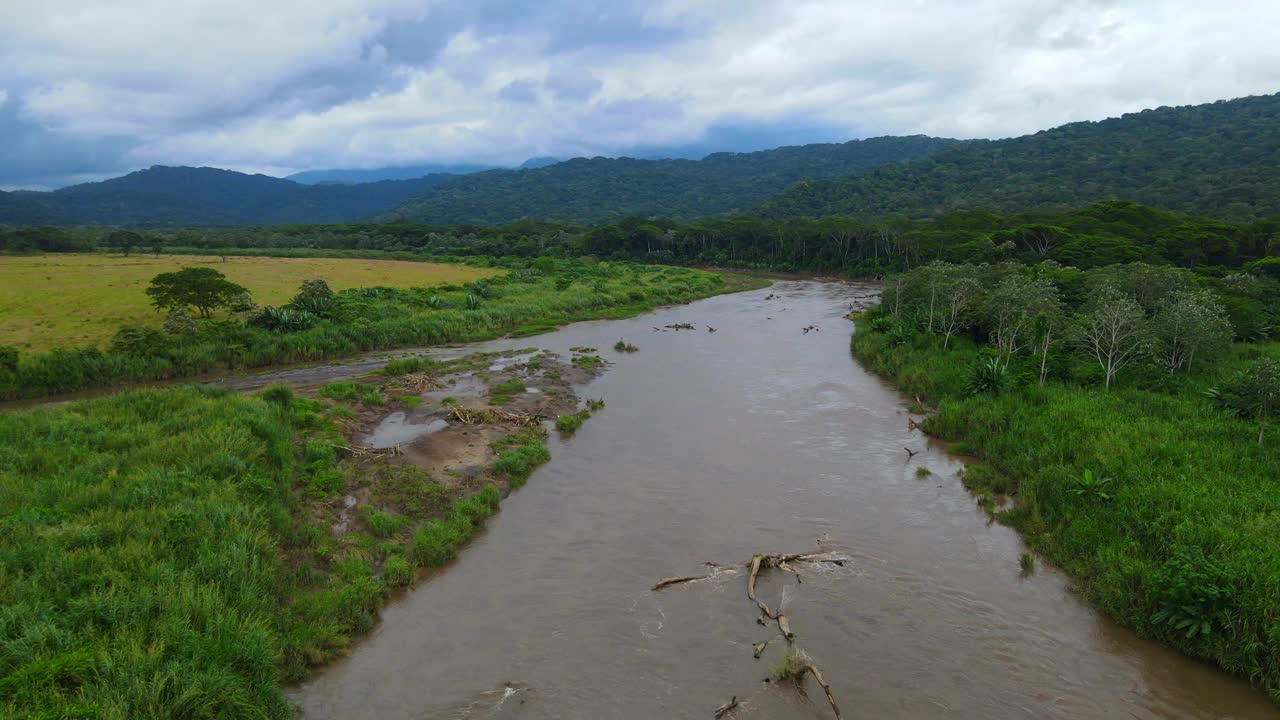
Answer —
588 191
189 196
1220 160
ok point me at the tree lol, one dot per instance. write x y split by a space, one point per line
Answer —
1254 394
201 288
157 247
958 295
1114 332
1190 325
124 241
1025 312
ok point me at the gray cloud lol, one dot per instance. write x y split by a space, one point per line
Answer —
521 91
87 89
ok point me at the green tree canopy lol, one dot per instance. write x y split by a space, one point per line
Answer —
201 288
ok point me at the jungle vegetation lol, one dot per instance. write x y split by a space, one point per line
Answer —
1114 406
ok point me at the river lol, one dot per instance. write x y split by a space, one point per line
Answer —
758 437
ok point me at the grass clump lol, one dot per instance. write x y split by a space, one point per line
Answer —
519 462
1027 562
502 393
397 571
404 366
923 472
568 424
790 668
350 391
624 346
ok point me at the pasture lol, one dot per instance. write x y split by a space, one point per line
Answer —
73 300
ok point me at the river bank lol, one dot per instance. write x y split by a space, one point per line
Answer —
762 436
758 437
1161 508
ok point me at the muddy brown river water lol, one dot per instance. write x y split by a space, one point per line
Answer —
712 447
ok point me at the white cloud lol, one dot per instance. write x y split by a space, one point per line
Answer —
316 83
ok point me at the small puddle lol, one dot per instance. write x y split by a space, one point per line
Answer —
396 429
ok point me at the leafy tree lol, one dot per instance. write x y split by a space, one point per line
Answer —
1149 285
1253 394
1190 325
124 241
1114 332
959 297
1014 308
201 288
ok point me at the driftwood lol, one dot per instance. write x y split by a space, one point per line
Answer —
666 582
418 382
817 675
760 562
482 417
357 451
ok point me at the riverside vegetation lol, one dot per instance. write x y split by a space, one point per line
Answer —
1114 406
532 294
169 552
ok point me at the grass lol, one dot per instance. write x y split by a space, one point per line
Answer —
168 553
77 300
1164 509
369 319
569 424
624 346
117 515
501 393
519 454
923 472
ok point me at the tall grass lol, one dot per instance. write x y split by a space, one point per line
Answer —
169 553
1181 543
375 319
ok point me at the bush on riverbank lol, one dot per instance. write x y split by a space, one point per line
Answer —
1180 543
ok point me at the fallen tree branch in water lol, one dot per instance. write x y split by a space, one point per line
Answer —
667 582
817 675
758 562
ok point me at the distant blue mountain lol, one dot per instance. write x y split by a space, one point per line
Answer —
409 172
538 162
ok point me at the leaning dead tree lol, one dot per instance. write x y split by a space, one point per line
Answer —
758 564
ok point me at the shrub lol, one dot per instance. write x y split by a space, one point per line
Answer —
278 393
988 376
1193 591
8 358
179 322
138 341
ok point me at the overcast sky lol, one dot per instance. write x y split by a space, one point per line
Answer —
92 88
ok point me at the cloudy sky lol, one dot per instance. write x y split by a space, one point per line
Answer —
93 88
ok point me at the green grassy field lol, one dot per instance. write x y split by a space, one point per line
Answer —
374 319
72 300
1180 541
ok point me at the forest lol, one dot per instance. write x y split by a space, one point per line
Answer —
1217 160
